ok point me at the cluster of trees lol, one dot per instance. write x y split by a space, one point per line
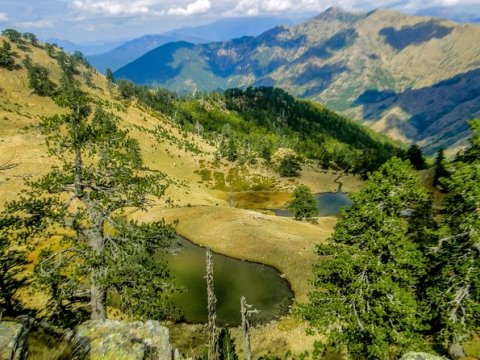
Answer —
390 275
7 56
314 131
20 39
253 123
38 76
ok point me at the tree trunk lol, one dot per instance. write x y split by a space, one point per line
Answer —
98 292
98 300
246 327
212 314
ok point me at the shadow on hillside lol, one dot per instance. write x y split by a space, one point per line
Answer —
442 108
414 35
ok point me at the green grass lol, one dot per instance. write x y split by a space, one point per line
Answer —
472 348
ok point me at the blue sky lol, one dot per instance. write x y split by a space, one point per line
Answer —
95 20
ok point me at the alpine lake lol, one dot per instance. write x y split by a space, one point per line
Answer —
263 286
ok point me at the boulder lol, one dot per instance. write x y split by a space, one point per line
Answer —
123 340
456 351
421 356
12 340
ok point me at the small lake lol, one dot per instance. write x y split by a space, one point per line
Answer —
261 285
328 203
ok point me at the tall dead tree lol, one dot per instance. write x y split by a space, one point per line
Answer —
212 310
246 312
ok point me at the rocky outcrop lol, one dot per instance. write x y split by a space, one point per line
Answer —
109 339
12 340
421 356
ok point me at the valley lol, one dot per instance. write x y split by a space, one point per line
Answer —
111 191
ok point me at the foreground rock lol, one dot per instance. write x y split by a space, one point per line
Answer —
421 356
12 340
115 340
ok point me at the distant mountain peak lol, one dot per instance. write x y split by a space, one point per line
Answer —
340 14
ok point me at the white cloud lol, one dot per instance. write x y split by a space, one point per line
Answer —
37 24
197 7
246 7
258 7
112 8
3 17
277 5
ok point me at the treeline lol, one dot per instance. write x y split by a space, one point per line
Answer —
398 276
255 122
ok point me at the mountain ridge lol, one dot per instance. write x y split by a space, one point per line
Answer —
215 31
334 58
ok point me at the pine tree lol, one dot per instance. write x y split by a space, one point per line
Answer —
303 204
230 151
7 60
365 296
84 201
455 293
289 167
109 76
226 345
39 80
415 156
440 170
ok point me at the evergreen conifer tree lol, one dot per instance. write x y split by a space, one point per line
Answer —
303 204
365 296
79 210
11 268
289 167
415 156
7 60
440 170
454 295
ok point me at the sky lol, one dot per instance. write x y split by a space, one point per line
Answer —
102 20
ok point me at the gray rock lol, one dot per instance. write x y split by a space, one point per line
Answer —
456 351
109 339
421 356
12 341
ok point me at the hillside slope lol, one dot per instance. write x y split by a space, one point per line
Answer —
185 157
411 77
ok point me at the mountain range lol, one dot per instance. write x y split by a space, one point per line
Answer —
217 31
414 78
88 48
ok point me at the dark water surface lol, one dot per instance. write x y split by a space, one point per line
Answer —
261 285
328 203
